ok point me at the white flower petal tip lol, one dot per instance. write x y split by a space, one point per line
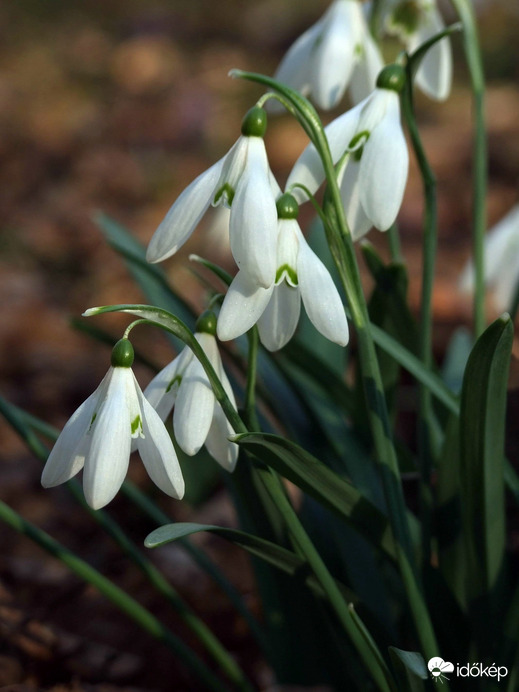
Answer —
374 175
434 75
197 417
299 275
501 251
242 181
322 62
98 438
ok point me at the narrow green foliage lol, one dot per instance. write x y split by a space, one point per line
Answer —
482 431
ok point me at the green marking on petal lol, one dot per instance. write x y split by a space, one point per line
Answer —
175 382
288 273
92 422
356 141
406 17
226 192
137 427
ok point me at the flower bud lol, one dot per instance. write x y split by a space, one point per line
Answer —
122 354
254 123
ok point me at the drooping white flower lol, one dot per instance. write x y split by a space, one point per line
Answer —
300 276
100 435
183 385
336 52
501 262
374 174
415 22
241 180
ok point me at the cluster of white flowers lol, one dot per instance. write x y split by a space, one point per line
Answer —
277 268
118 419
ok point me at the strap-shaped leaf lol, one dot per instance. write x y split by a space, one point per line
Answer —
482 435
270 552
332 491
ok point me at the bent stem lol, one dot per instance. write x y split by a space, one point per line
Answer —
479 221
116 595
367 650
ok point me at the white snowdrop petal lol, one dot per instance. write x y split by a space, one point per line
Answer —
502 241
294 69
234 164
253 227
193 409
383 170
333 59
108 457
320 297
359 224
64 461
279 320
434 75
242 306
185 214
162 390
217 444
308 169
374 109
158 454
365 73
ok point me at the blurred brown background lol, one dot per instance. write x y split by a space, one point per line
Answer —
117 106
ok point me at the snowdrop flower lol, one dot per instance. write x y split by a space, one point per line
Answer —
300 276
336 52
374 174
501 262
102 432
241 180
198 418
415 22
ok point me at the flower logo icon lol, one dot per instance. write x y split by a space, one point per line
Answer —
438 667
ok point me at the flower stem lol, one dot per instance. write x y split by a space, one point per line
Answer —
116 595
369 653
479 221
368 650
430 242
395 247
341 246
250 389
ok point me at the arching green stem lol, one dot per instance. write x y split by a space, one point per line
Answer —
341 246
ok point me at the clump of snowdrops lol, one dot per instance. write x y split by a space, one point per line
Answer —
358 591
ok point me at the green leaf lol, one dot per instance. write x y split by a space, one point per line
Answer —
273 554
415 367
482 436
312 476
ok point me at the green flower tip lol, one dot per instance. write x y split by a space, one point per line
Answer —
122 354
287 207
206 323
254 123
392 77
